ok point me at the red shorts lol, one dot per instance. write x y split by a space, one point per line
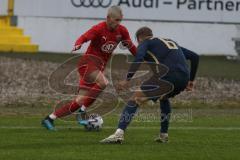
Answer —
88 64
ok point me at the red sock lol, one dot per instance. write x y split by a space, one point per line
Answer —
91 96
67 109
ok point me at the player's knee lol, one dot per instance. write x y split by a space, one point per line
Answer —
78 99
103 84
137 100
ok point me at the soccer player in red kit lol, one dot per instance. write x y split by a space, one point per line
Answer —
104 38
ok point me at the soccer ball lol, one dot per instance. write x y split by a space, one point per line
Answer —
94 123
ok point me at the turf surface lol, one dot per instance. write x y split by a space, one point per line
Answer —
209 134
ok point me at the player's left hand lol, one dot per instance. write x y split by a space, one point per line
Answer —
75 48
190 86
122 85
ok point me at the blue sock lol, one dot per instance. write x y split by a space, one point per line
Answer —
165 115
127 114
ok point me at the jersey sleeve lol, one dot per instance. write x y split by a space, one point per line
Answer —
87 36
194 59
127 42
141 52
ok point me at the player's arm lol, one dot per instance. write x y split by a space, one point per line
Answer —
87 36
139 58
194 60
127 42
141 51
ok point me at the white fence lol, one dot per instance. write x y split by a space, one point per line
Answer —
205 27
170 10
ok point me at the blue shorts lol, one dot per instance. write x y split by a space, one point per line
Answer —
165 87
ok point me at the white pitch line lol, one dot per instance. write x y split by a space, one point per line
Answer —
136 127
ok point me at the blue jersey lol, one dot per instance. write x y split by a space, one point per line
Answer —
167 52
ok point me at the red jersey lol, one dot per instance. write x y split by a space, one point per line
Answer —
104 41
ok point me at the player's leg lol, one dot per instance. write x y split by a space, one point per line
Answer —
126 117
92 82
99 82
156 88
97 86
150 89
87 96
179 81
165 118
130 109
63 111
92 77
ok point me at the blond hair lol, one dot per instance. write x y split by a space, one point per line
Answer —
114 11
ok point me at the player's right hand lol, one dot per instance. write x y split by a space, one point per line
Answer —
190 86
122 85
75 48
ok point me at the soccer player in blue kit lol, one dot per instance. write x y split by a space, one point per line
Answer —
170 76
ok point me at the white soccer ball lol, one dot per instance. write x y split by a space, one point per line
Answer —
95 122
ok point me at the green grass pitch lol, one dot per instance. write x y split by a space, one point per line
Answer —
212 136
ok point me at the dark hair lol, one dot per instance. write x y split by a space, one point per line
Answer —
143 32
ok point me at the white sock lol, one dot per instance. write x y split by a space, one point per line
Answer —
83 108
53 116
119 131
164 134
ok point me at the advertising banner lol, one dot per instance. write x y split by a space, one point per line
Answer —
213 11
